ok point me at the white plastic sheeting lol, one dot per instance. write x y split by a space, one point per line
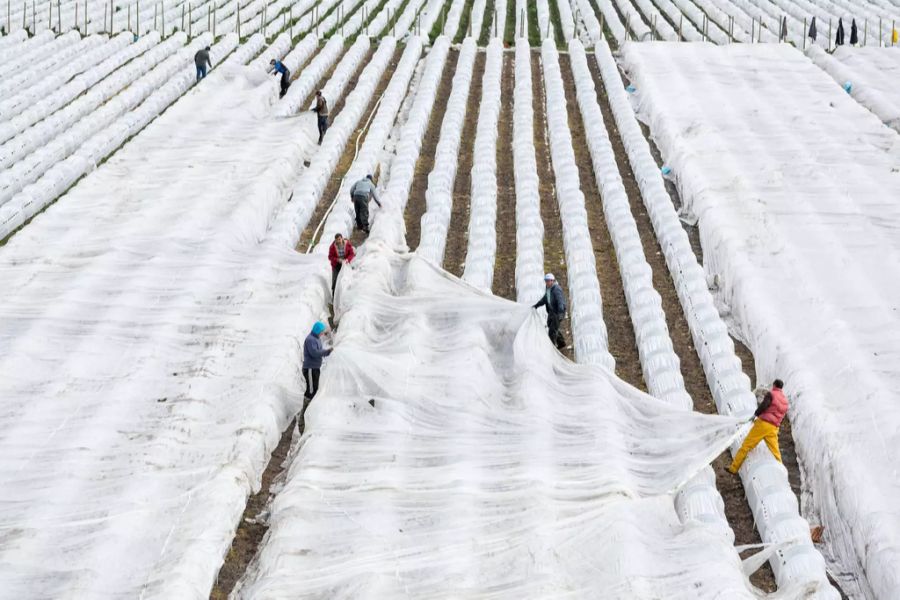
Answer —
713 166
106 136
699 501
88 100
59 60
872 74
19 55
150 355
462 456
75 93
348 66
658 24
409 145
634 22
482 232
439 193
586 310
529 226
454 15
477 17
312 73
50 82
308 190
341 220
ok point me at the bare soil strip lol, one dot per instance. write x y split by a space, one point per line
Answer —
505 261
554 254
622 344
415 206
252 526
334 182
737 510
458 231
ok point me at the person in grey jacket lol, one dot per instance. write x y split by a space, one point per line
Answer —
313 353
360 193
201 60
555 302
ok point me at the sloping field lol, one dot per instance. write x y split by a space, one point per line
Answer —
793 187
139 315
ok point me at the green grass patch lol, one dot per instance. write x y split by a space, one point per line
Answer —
486 23
464 22
393 20
557 25
509 30
534 34
438 26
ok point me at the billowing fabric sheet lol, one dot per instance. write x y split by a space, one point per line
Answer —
452 452
149 353
795 188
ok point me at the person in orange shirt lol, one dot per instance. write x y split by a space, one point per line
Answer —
767 421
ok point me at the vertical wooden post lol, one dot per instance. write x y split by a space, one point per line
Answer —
866 32
805 31
215 18
731 28
104 17
50 15
237 24
880 33
190 20
208 18
129 18
182 16
85 16
137 17
829 33
76 17
522 23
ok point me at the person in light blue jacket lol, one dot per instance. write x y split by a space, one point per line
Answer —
313 353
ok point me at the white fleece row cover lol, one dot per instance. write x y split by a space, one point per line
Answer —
795 187
149 353
451 452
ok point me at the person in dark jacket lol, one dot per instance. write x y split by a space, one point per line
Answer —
766 423
360 193
555 302
313 353
339 253
201 60
279 67
321 110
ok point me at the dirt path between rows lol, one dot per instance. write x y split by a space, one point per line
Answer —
252 526
458 230
415 205
554 254
334 182
620 331
505 260
737 511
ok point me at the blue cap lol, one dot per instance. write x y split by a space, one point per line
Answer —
318 328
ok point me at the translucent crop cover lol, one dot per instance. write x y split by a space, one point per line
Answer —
452 452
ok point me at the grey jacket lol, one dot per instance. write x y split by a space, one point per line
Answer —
202 58
554 300
313 352
365 189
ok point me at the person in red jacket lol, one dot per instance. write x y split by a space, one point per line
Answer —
767 420
340 252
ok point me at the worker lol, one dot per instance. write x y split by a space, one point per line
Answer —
280 67
201 60
321 111
313 353
766 421
555 302
361 191
339 253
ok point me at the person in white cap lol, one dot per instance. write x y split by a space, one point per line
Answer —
555 302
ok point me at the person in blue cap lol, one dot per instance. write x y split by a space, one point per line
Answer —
313 353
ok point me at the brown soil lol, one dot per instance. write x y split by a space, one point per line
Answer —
505 260
458 231
737 511
415 206
554 255
252 527
334 182
620 332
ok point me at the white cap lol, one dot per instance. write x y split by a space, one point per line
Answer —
549 277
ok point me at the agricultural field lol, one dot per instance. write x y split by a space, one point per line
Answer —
711 182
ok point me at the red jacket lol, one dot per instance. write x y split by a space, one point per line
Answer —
333 253
774 412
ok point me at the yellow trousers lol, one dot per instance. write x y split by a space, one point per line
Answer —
761 431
